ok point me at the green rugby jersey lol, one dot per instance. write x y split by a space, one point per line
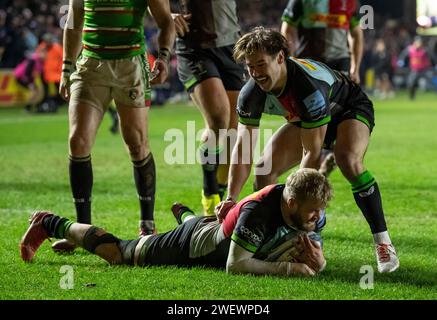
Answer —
114 29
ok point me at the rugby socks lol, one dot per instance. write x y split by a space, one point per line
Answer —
81 181
209 168
183 213
56 226
186 214
145 182
222 190
368 198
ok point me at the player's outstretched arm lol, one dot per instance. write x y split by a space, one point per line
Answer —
241 261
160 10
239 171
72 44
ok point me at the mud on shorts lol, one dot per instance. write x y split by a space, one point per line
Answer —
96 82
196 65
358 107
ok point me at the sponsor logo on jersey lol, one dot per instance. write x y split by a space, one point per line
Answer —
331 20
314 103
250 235
244 113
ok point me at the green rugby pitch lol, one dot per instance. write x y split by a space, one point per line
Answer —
34 175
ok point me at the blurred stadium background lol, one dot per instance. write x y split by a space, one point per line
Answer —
27 26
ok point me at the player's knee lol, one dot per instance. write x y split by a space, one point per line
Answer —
102 243
264 173
349 163
218 121
79 145
138 150
215 135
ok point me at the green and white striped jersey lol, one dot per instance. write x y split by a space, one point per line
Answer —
114 29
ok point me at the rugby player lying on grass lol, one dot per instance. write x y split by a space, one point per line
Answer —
274 231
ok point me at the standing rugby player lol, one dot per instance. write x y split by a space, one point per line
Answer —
104 41
207 31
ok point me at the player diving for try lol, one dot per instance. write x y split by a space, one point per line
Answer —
273 231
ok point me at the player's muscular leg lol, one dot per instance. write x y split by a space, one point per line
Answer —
211 99
77 232
84 121
350 147
134 126
284 150
95 240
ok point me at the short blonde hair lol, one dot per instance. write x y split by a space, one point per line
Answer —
305 184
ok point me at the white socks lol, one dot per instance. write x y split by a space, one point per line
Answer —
381 237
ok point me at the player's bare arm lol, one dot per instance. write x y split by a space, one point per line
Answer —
239 171
72 44
241 261
292 36
160 10
312 142
242 158
357 53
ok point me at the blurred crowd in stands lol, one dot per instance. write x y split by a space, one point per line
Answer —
389 60
30 26
23 24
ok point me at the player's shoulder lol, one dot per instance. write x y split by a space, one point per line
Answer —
314 70
251 100
264 199
270 191
255 212
251 91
